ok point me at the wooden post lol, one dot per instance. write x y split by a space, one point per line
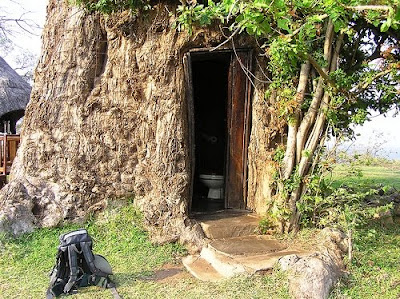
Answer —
4 153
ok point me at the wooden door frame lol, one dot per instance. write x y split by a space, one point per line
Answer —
187 63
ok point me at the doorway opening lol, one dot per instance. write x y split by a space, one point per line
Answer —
218 93
210 97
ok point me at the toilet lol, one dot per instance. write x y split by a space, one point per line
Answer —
215 184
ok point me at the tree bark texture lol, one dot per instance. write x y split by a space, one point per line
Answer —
312 126
108 118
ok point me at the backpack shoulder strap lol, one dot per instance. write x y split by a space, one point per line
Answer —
73 266
114 292
89 257
59 274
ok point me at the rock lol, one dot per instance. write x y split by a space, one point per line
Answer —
286 262
385 218
334 243
311 277
396 210
16 220
16 215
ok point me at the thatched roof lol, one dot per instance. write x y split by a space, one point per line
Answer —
14 91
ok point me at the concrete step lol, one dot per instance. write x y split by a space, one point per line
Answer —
225 265
264 262
232 256
201 269
228 223
247 245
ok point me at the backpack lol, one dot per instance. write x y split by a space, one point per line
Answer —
77 266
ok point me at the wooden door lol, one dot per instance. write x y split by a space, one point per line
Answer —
238 130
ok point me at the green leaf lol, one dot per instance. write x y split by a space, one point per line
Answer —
250 29
265 26
280 4
306 3
385 26
283 24
397 15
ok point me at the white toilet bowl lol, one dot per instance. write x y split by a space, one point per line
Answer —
215 184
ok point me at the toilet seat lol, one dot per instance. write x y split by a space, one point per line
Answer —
215 184
211 176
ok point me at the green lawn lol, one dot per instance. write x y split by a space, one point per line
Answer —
374 272
375 269
367 175
118 235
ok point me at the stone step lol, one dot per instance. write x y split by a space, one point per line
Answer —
228 223
201 269
225 265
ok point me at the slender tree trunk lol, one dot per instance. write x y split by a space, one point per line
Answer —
310 116
304 135
290 154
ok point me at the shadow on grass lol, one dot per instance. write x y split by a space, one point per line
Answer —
123 279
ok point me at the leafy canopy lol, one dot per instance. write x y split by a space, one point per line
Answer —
291 32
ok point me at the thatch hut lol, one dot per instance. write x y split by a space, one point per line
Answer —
14 96
128 106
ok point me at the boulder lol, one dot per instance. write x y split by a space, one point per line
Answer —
313 276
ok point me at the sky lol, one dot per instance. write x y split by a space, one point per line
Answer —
381 132
380 135
34 12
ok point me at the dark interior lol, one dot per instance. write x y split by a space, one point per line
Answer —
12 117
210 94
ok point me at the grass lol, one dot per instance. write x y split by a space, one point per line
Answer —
366 175
375 269
118 235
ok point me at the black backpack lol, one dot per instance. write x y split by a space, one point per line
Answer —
77 266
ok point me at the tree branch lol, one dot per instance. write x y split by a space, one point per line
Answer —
336 52
311 114
290 154
368 7
364 85
321 72
227 40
